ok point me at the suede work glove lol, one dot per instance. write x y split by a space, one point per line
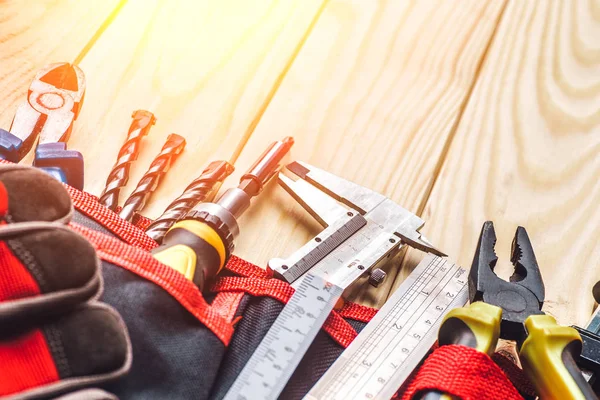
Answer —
55 338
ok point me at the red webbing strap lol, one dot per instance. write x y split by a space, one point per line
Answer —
26 363
357 312
339 329
279 290
141 222
245 268
462 372
227 303
88 205
336 326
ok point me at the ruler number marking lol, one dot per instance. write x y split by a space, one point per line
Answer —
378 331
444 277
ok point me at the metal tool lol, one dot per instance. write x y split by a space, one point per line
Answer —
589 362
358 237
53 103
119 175
202 189
151 179
394 342
547 351
199 245
286 341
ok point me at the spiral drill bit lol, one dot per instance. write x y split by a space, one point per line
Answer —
202 189
119 175
149 182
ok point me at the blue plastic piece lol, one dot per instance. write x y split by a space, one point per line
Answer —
56 173
10 146
65 165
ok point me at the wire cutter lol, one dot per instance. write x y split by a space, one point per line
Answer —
547 351
53 103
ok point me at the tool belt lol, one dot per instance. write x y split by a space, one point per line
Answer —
189 345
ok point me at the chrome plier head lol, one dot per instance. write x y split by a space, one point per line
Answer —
519 298
54 101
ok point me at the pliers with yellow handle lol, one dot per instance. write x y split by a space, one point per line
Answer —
512 310
548 351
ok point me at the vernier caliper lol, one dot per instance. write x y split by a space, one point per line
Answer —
363 229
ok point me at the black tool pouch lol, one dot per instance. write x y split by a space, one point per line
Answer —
189 345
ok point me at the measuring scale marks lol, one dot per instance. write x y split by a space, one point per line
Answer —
363 229
400 335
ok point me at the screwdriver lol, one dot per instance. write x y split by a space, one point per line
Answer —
199 245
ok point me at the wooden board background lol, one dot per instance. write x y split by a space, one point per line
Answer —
459 111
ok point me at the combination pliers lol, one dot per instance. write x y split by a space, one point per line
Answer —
513 310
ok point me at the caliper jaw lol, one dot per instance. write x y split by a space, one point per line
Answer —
322 195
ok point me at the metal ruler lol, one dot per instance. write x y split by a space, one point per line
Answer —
274 361
395 341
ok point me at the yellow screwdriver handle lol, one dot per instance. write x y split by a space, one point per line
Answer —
476 325
548 356
194 249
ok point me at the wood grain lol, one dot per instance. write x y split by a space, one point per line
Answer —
37 33
372 97
527 152
205 68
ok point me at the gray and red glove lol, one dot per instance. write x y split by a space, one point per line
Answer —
55 337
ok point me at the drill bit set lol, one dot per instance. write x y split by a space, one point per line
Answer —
220 217
119 175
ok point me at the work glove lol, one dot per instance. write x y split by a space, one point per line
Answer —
55 337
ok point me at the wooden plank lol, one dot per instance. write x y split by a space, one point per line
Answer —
37 33
526 152
205 68
372 97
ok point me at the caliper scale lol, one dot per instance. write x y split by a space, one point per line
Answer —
363 229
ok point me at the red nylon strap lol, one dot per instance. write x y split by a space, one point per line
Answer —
279 290
357 312
227 303
142 263
88 205
245 268
26 363
141 222
338 328
462 372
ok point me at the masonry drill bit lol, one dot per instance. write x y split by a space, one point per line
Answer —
202 189
119 175
149 182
